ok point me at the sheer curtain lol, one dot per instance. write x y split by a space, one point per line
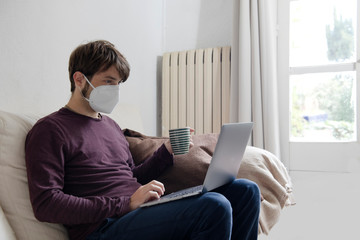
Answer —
253 94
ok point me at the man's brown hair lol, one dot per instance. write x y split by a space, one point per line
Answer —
97 56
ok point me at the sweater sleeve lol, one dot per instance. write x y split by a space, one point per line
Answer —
152 167
45 153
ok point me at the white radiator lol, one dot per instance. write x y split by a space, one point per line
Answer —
196 89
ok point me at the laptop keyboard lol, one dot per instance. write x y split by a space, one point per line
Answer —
184 192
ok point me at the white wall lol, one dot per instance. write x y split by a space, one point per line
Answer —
38 36
191 24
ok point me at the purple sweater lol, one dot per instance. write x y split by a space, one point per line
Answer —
80 171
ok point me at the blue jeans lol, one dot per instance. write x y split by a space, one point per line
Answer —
229 212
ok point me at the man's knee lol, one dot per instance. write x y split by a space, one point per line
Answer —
215 217
253 189
216 203
251 193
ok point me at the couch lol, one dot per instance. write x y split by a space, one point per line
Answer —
17 220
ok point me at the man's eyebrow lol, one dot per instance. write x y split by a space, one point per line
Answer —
111 77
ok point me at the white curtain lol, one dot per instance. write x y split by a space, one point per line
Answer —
253 71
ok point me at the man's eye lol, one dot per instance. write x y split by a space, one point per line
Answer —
112 82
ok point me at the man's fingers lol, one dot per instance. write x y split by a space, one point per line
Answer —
151 191
152 195
157 187
157 183
155 190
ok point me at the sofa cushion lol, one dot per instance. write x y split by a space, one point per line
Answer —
14 193
5 230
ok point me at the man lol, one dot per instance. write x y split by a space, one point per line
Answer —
81 172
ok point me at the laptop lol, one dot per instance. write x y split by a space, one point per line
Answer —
224 165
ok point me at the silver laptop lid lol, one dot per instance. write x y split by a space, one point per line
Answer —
228 154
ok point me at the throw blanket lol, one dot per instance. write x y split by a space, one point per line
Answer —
189 170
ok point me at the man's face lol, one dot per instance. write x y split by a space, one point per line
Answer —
108 77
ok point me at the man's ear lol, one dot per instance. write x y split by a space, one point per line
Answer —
79 79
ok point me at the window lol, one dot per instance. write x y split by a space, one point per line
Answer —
322 70
318 66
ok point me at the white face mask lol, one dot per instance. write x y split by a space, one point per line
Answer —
103 98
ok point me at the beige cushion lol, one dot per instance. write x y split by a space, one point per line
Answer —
14 193
5 230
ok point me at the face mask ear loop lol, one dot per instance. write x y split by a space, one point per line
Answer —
88 81
90 85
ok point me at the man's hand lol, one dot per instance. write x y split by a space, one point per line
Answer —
151 191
